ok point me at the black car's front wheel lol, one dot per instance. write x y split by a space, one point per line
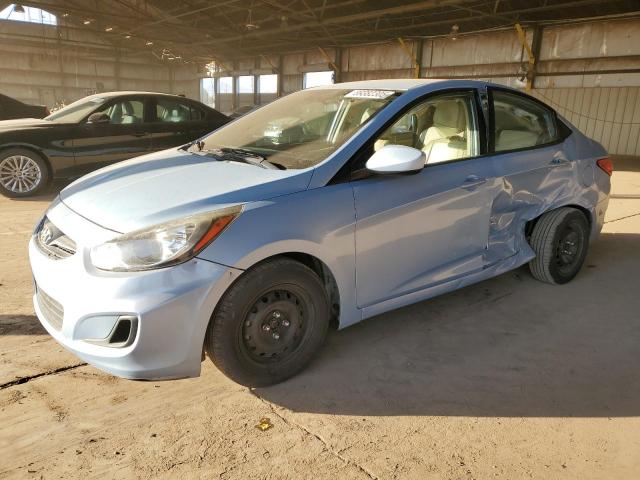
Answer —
22 173
270 324
560 240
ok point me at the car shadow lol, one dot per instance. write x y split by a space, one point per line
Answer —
625 163
20 325
509 346
48 194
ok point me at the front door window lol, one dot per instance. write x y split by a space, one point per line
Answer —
444 127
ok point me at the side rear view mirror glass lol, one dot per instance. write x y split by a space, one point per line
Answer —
396 159
98 118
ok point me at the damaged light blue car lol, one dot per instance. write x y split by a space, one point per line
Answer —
331 204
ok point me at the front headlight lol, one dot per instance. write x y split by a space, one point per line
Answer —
162 245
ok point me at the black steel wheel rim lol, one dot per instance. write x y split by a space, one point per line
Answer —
274 326
569 248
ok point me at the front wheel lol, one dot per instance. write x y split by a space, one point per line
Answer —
560 240
270 324
23 173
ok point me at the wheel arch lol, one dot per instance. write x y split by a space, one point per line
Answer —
321 269
530 225
32 148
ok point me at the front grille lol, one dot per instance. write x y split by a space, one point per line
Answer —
51 310
52 241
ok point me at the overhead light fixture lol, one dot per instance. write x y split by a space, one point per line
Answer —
65 15
148 43
108 29
87 21
250 25
127 37
17 8
453 34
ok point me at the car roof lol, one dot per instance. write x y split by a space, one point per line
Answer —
7 97
386 84
133 92
401 84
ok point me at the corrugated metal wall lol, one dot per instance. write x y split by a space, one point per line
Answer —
46 65
610 115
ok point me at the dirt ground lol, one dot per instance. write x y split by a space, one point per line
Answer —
509 378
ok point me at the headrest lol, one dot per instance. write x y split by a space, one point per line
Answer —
449 114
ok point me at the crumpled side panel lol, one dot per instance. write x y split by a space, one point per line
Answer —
535 183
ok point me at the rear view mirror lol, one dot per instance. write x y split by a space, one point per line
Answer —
396 159
98 118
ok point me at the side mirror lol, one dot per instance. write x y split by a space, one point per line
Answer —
98 118
396 159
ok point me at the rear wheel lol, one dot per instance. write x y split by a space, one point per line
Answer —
560 240
270 323
22 173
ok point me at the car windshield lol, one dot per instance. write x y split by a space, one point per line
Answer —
76 111
301 129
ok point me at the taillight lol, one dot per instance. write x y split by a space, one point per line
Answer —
606 165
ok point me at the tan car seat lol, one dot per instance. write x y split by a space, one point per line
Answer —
445 140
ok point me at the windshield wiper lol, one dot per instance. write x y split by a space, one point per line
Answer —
249 153
243 152
236 155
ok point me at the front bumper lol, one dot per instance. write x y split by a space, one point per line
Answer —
172 307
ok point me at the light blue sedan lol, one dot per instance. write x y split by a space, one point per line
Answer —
331 204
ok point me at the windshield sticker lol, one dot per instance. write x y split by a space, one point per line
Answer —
377 94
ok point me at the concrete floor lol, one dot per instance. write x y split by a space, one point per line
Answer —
510 378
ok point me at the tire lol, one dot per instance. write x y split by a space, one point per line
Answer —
270 323
560 240
23 173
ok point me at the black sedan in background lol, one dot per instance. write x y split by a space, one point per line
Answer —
12 108
96 131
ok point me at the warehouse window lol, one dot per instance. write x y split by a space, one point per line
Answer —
267 88
268 83
316 79
21 13
245 84
225 85
207 91
224 97
245 90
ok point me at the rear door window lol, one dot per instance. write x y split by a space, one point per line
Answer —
197 114
519 122
174 111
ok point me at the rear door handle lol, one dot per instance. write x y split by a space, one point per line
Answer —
473 181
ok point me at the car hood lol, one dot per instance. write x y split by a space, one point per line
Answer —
172 184
25 123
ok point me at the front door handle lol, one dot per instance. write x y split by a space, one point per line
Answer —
559 159
473 181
